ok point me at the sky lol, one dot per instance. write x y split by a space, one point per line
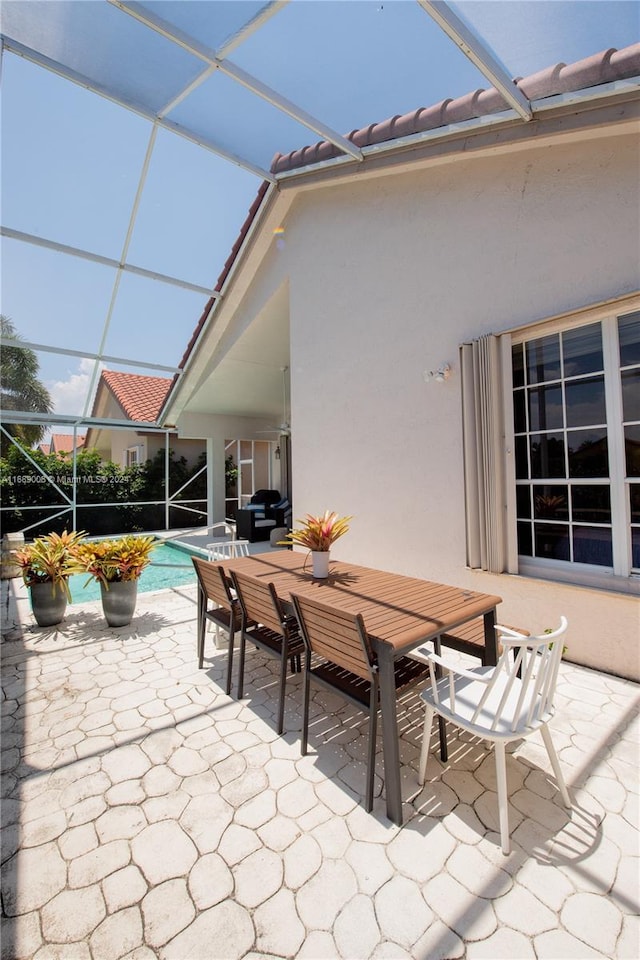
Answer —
71 160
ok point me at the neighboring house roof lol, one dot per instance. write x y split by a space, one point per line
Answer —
604 67
63 442
140 397
44 447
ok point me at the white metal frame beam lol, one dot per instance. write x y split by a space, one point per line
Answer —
479 54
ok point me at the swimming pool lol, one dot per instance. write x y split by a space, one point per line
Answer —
170 567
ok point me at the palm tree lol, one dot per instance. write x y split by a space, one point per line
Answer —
20 388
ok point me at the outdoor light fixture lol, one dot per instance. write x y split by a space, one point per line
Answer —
277 453
440 375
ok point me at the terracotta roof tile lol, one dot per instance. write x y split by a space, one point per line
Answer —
63 442
140 397
600 68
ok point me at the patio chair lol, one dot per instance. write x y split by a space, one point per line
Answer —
224 612
266 625
343 661
503 703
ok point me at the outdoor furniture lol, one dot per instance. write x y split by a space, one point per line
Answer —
344 661
225 611
265 623
265 511
400 613
503 703
225 549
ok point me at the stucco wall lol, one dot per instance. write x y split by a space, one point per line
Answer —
387 278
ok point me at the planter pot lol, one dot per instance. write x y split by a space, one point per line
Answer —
119 602
320 561
49 603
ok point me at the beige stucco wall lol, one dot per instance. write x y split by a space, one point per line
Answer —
387 278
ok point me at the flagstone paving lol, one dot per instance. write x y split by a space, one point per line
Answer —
147 815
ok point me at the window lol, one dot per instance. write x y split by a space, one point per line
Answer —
576 419
132 456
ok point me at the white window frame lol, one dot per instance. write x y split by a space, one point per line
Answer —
620 577
132 456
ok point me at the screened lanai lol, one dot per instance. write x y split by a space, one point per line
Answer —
136 136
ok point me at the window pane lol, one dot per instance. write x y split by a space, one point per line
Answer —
547 455
635 549
545 408
592 545
522 462
585 402
519 414
543 359
525 543
631 395
582 350
632 450
550 503
588 453
634 498
552 541
591 504
629 336
523 502
517 364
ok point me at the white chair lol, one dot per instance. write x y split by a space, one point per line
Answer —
225 547
503 703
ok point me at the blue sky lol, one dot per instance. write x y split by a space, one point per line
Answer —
71 160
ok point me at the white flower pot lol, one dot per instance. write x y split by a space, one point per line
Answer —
320 561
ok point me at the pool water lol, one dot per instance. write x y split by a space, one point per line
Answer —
161 574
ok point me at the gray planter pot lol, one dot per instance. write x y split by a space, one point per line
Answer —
49 603
119 602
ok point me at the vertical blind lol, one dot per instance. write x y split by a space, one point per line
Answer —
483 437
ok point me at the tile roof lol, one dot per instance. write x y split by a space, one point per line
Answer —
63 442
600 68
604 67
140 397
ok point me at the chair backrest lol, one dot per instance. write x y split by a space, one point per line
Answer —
227 549
213 582
336 635
525 676
259 601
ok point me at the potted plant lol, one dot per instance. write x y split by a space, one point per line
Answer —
117 564
317 534
46 566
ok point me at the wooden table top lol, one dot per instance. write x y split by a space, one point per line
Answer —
397 610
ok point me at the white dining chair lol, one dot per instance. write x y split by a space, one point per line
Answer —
503 703
225 546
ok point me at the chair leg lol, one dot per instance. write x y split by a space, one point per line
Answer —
201 634
305 704
371 750
284 661
426 737
503 810
243 644
230 661
555 763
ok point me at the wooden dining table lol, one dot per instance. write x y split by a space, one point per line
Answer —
399 613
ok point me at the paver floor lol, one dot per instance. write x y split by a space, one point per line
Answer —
146 814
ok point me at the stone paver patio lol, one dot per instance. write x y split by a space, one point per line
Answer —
146 814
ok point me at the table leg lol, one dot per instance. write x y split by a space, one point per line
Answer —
442 726
390 747
490 638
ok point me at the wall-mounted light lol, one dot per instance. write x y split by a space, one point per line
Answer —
440 375
277 453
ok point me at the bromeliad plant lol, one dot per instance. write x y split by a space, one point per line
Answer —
318 533
115 561
51 559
